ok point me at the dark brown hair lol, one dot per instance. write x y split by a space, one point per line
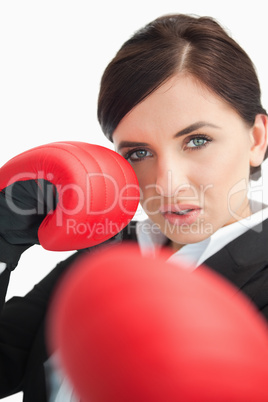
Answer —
172 44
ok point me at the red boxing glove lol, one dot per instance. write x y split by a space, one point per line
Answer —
128 328
66 196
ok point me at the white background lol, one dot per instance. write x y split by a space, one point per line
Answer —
52 55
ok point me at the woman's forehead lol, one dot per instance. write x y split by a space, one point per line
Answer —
181 99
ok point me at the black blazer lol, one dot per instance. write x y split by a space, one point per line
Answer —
23 350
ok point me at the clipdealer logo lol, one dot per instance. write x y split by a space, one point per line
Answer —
92 229
55 200
71 199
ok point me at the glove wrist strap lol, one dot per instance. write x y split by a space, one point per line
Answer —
10 253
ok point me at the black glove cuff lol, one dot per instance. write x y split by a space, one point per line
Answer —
10 253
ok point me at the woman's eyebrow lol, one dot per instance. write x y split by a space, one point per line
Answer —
186 130
131 144
193 127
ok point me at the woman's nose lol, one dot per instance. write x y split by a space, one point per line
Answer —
171 179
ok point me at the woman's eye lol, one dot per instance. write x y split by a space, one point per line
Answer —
137 155
198 142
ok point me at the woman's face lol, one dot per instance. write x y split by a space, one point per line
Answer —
191 153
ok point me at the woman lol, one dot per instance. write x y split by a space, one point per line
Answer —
181 102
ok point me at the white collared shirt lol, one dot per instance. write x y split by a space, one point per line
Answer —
3 266
60 389
150 238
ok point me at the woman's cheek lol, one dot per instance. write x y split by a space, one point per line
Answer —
150 200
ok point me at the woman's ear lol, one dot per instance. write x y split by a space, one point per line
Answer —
259 140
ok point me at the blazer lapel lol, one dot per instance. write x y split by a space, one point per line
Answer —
244 257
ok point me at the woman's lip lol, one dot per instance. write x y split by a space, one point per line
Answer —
173 208
188 218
